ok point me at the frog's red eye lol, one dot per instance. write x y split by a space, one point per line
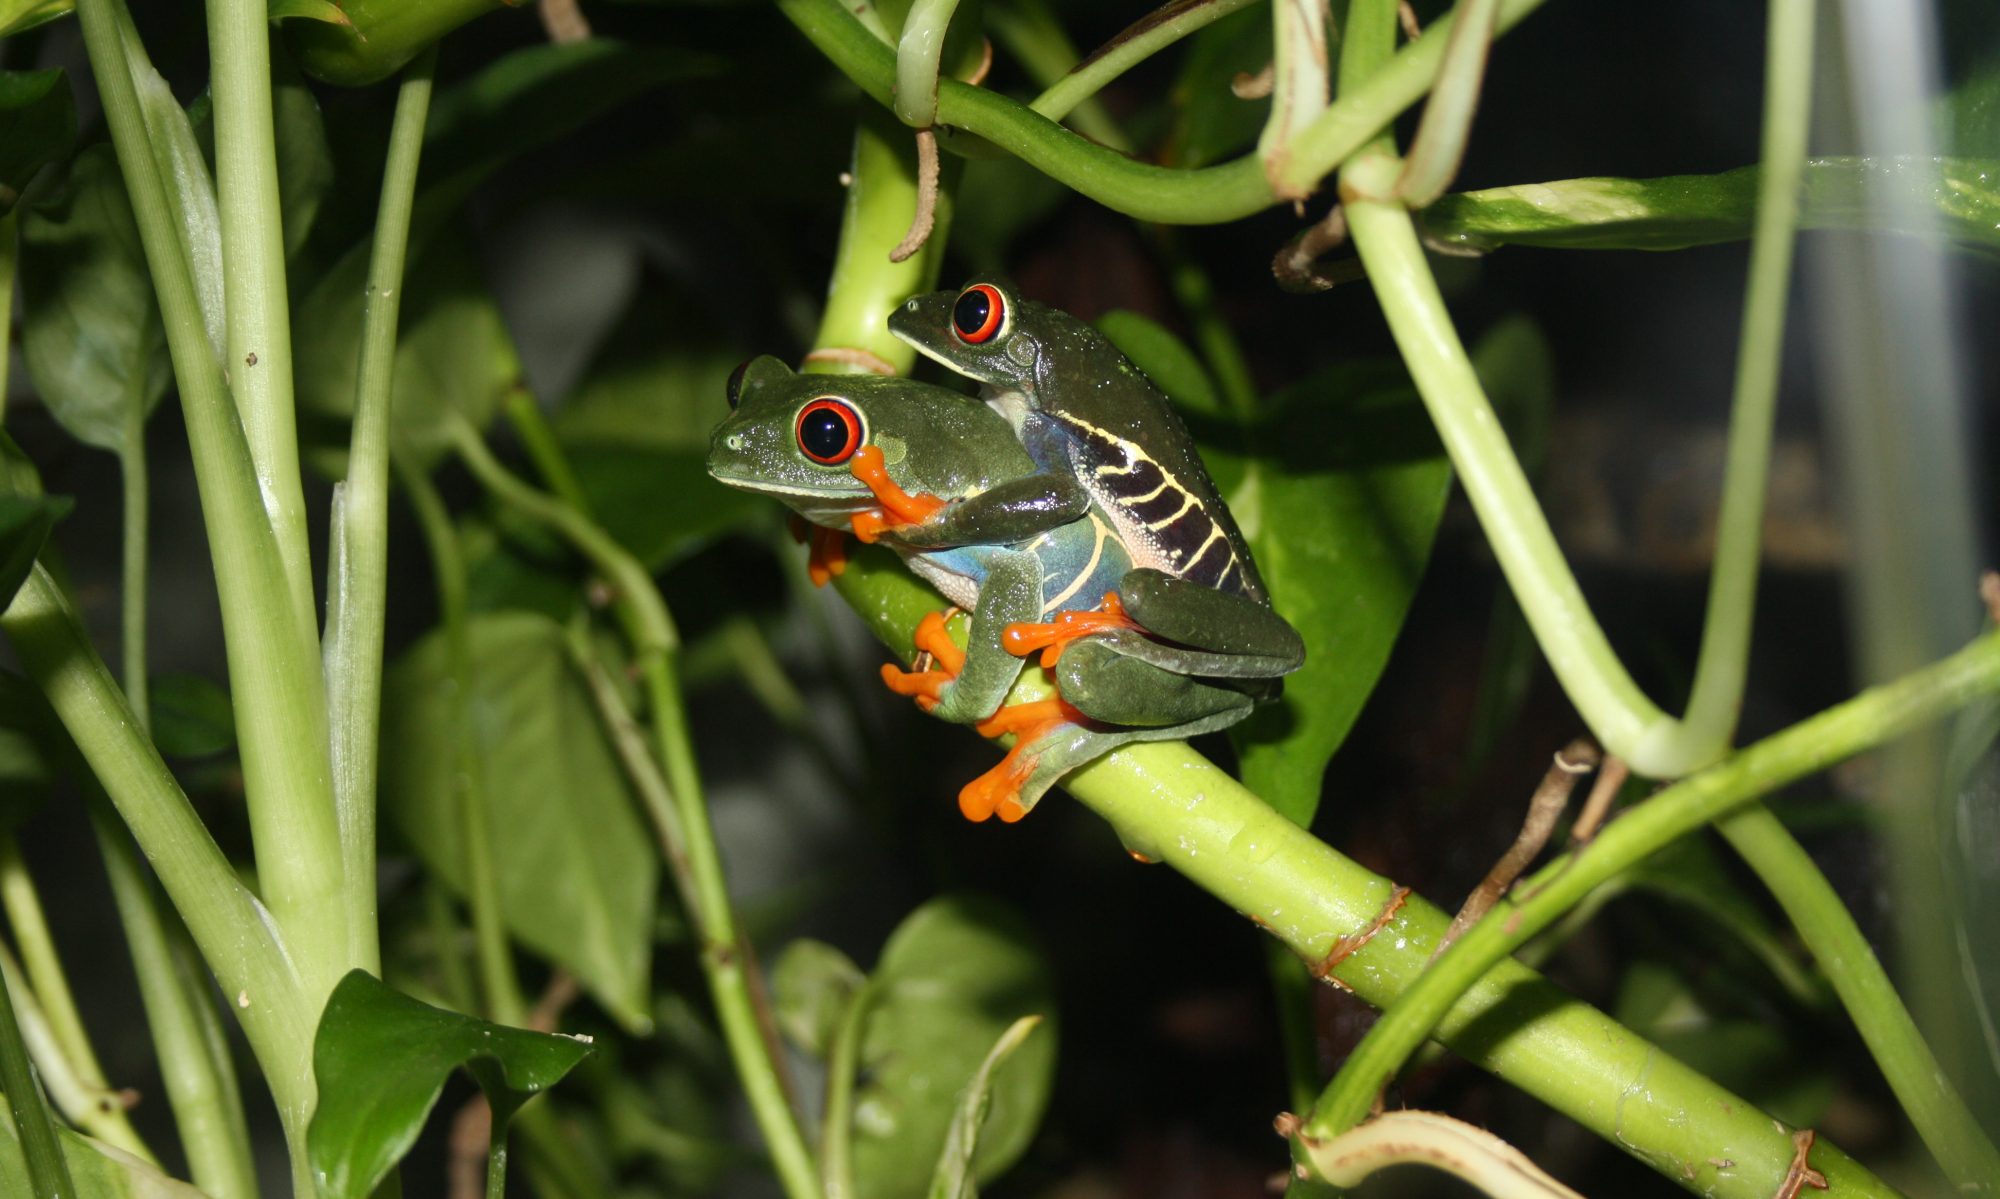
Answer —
829 431
978 313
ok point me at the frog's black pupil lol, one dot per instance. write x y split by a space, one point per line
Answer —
971 311
734 388
823 433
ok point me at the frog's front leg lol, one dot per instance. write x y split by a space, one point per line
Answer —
970 684
1175 624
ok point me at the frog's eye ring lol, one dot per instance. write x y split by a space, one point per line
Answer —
978 314
829 431
734 388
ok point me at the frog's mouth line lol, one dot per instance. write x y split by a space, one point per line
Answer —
766 487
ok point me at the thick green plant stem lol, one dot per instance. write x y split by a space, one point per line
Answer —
1139 42
1169 803
919 50
1921 1085
866 287
194 1059
257 303
499 988
48 1174
1189 197
724 951
234 932
1868 720
358 587
92 1104
274 668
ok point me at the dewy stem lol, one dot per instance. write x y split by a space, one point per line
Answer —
1922 1086
1170 804
359 561
649 628
257 303
274 667
200 1080
236 935
1189 197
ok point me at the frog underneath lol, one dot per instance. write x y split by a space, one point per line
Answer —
885 455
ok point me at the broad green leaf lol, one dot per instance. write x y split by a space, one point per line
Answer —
17 16
811 984
1679 211
656 384
37 123
454 358
305 160
381 1059
191 716
1340 495
578 871
100 1171
25 522
90 329
1213 123
953 977
1165 359
953 1177
659 504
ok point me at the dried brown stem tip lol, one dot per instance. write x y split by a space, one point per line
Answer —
927 198
1546 806
1297 267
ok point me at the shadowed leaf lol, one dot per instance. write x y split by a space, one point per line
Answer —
37 123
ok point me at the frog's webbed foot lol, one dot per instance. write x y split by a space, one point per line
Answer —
1055 636
947 660
896 508
1042 728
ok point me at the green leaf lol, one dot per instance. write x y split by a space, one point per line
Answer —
953 1177
191 716
306 10
578 872
953 977
1165 359
37 124
454 358
811 985
99 1171
1679 211
657 383
660 504
1214 124
1340 497
90 328
381 1059
17 16
25 522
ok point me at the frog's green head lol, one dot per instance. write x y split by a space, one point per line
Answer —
794 437
984 330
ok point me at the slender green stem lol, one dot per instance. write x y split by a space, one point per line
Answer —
539 440
458 985
1034 37
235 934
1172 805
504 1002
1141 40
273 651
48 1174
1300 88
1212 334
1870 719
1439 144
358 591
1717 694
257 300
200 1080
43 996
843 1075
496 1160
132 474
1189 197
649 628
1922 1086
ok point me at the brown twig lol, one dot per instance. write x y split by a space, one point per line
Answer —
1801 1174
1610 780
1412 29
563 21
1246 86
1296 264
1572 762
927 198
1989 594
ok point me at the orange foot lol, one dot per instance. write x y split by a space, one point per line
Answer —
998 791
828 557
928 685
898 507
1054 637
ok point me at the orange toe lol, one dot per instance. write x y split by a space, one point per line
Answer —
828 557
901 506
933 638
998 791
1022 639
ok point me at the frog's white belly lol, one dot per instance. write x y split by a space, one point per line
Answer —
957 589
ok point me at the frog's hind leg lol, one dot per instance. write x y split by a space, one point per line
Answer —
1053 637
1218 633
1105 683
968 685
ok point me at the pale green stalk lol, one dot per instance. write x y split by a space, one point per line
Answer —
236 935
504 1003
1439 145
1300 84
48 1174
918 52
649 628
1139 42
357 591
843 1076
132 477
274 668
1922 1087
200 1079
256 301
42 995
